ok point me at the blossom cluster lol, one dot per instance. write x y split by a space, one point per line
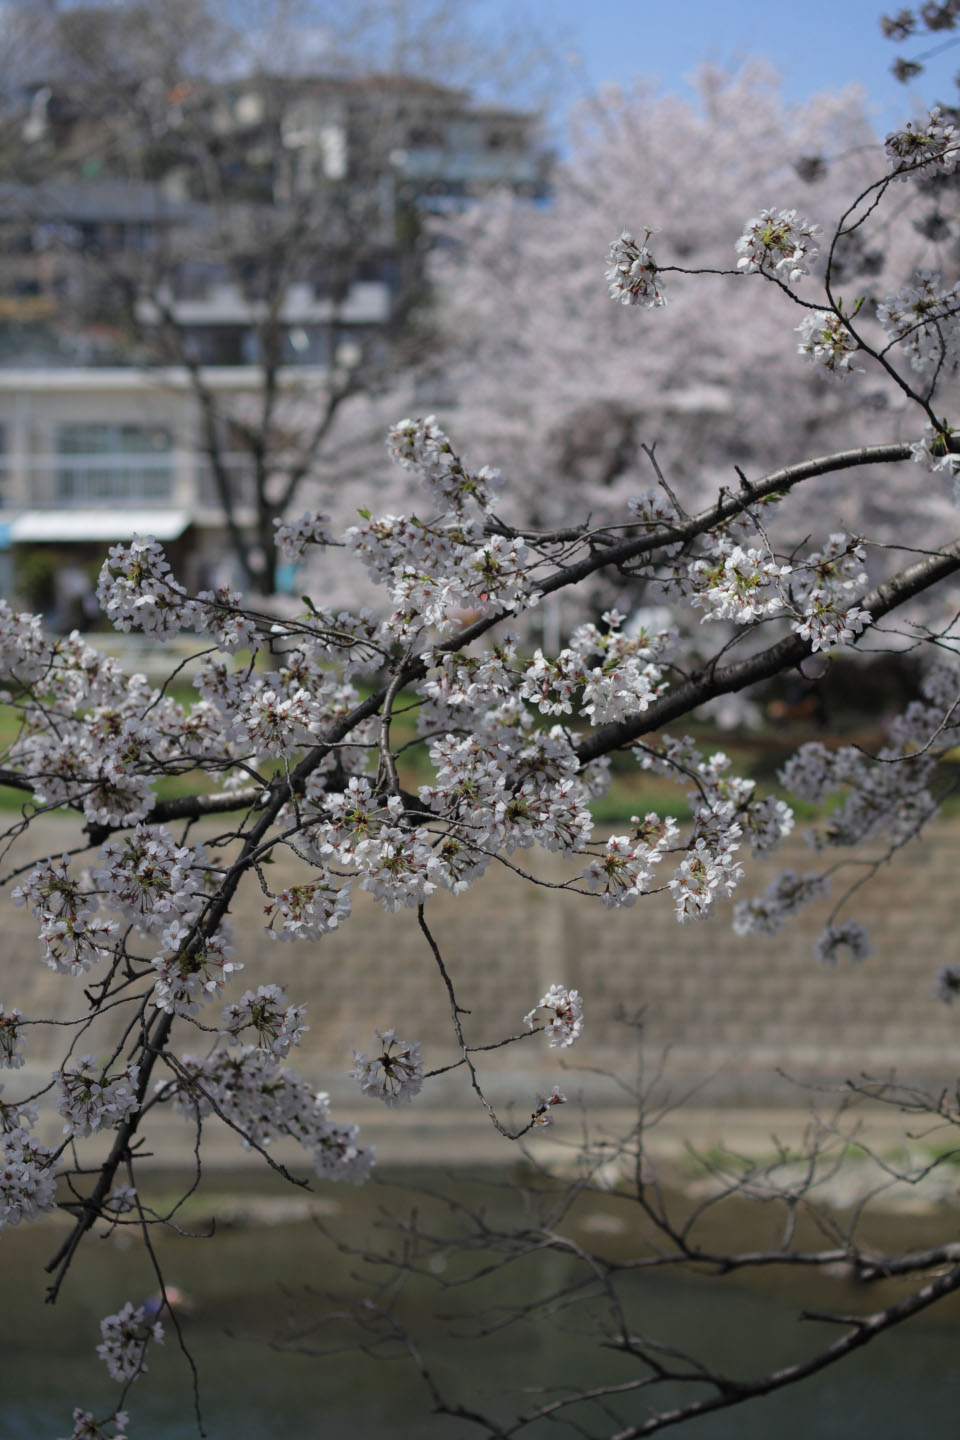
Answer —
933 142
73 936
192 967
149 879
395 1075
126 1337
421 446
564 1018
262 1101
543 1114
12 1040
293 536
737 584
779 243
822 586
923 321
632 272
627 867
939 450
851 936
89 1099
625 675
308 911
86 1427
785 894
27 1182
277 1024
827 343
890 795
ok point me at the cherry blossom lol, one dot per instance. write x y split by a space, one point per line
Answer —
262 1101
188 974
137 589
923 322
86 1427
564 1021
543 1114
781 899
632 273
12 1040
827 343
90 1100
394 1076
780 243
486 665
932 142
278 1024
935 451
27 1179
149 879
850 935
126 1337
293 536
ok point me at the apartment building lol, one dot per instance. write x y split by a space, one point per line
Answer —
120 299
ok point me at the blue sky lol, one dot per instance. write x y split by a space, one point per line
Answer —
818 45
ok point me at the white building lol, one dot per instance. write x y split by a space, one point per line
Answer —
89 457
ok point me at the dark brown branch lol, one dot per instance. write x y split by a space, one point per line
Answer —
784 655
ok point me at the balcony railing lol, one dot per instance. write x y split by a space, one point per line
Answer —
65 482
112 479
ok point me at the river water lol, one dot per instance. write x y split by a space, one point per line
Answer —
257 1287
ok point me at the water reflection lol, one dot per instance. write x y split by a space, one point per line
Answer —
262 1295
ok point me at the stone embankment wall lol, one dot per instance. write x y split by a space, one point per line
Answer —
729 1011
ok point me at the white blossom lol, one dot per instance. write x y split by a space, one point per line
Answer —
782 898
706 873
90 1100
826 625
219 613
126 1337
12 1040
932 142
263 1100
827 343
27 1183
936 452
189 972
308 911
923 322
72 935
779 243
150 879
293 536
543 1114
86 1427
626 868
137 590
277 1024
850 935
564 1019
422 446
632 272
395 1075
737 584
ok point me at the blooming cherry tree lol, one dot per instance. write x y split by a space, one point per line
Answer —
293 736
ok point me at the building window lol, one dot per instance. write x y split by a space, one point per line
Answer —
108 464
